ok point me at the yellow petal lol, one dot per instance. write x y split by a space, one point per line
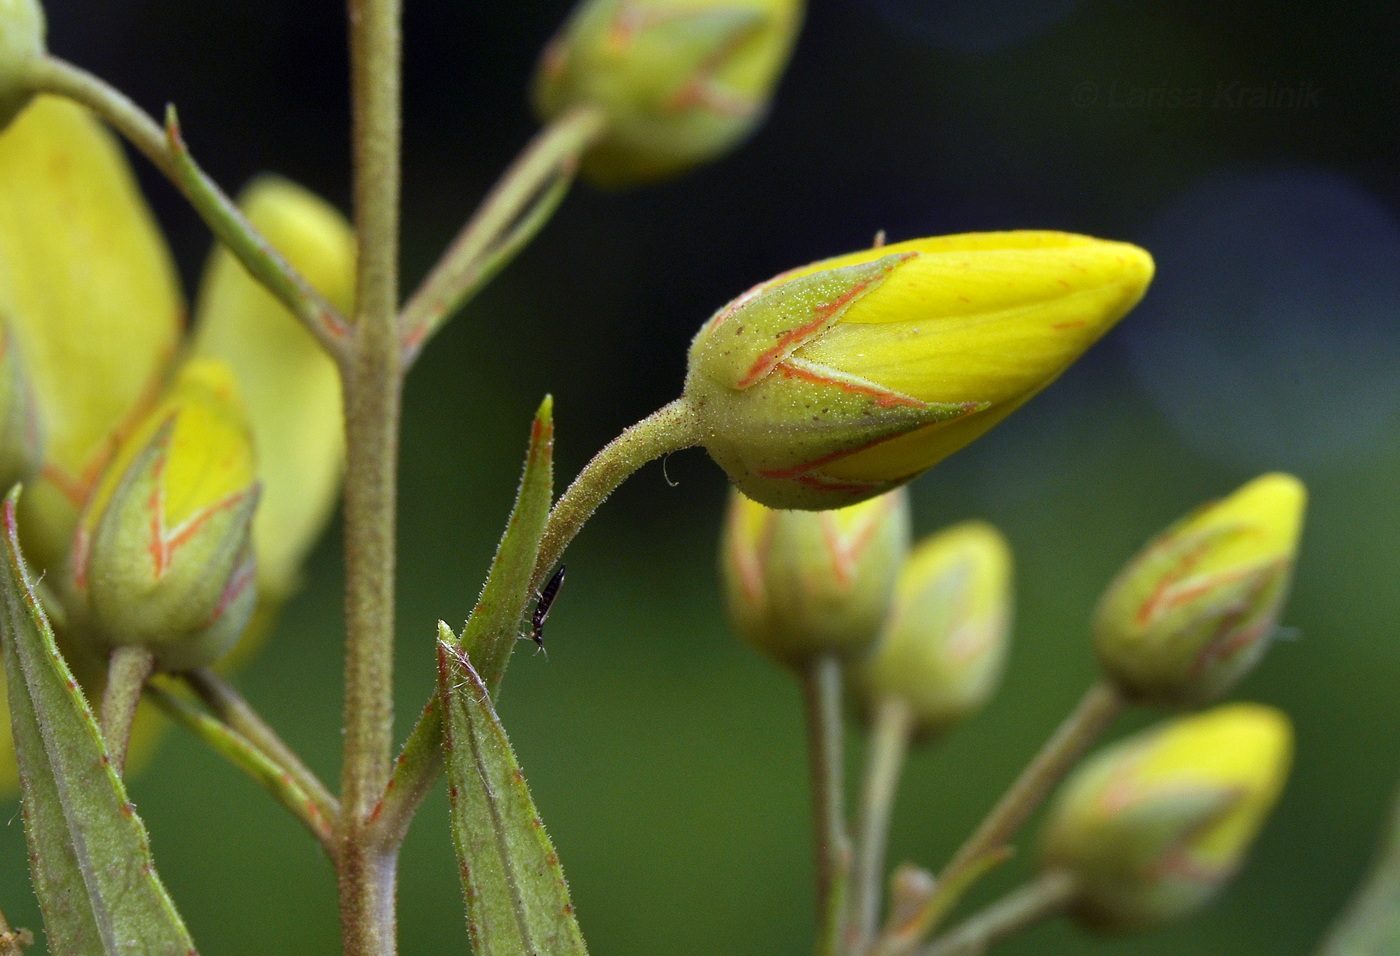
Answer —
291 388
89 287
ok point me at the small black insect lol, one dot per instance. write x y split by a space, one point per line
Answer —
543 604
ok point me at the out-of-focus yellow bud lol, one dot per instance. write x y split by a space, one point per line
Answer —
89 288
799 583
848 377
943 645
681 81
290 386
164 554
20 442
1193 611
21 43
1153 826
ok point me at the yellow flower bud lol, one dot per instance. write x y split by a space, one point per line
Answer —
290 386
1193 611
163 554
91 294
943 645
681 81
848 377
1154 826
799 583
21 42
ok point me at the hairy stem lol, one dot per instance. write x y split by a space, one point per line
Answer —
888 744
668 429
821 692
373 382
1100 705
129 669
506 220
1038 900
247 757
229 706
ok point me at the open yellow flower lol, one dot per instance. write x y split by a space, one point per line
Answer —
91 302
847 377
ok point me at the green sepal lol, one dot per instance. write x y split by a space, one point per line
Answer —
490 633
517 899
746 339
90 858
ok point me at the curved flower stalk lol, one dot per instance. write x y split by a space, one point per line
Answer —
90 293
680 81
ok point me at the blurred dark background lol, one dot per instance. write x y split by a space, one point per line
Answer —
1251 146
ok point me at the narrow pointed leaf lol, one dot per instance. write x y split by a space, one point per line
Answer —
491 631
517 900
89 855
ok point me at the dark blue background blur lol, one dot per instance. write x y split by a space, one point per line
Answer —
1250 146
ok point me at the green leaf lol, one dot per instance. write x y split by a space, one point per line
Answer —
517 900
1370 924
89 856
490 633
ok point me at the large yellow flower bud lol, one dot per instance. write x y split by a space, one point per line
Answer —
21 43
90 292
290 386
680 81
848 377
943 645
1154 826
1193 611
801 583
163 555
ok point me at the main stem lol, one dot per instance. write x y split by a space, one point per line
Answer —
373 380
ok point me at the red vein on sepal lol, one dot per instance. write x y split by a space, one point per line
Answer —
883 397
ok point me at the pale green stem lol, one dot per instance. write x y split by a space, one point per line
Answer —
232 709
513 212
243 754
821 694
888 743
1036 901
1101 704
127 672
670 428
372 380
166 150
